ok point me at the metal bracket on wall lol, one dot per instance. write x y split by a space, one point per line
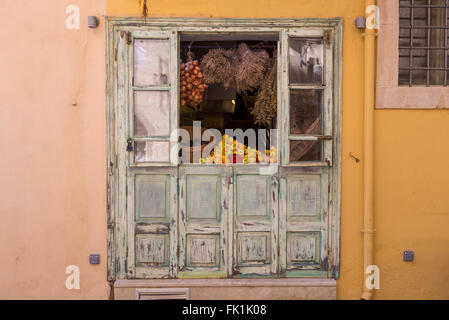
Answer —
360 23
354 157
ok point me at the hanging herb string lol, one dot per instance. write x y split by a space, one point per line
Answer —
265 107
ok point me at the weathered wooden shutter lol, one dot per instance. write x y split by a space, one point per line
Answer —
203 221
147 95
152 222
306 125
303 221
255 222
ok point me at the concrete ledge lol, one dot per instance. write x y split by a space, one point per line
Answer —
236 289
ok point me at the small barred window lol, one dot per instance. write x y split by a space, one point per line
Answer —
423 42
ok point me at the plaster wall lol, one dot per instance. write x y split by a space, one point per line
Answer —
53 167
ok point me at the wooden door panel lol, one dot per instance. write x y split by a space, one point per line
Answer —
252 196
303 248
151 196
203 225
203 250
253 248
255 224
304 220
152 203
152 250
203 194
303 199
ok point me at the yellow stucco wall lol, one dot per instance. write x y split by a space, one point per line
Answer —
412 202
53 166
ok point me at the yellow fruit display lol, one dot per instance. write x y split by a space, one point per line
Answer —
230 151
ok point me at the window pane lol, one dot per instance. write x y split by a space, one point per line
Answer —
305 151
306 61
151 62
305 112
151 113
151 151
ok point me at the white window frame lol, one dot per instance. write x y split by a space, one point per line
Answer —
119 26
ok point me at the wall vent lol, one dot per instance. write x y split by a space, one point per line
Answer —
162 294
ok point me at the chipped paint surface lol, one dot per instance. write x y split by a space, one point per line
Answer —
152 250
202 250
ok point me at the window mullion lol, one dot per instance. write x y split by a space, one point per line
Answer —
285 98
174 93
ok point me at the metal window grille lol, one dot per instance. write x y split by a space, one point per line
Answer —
423 42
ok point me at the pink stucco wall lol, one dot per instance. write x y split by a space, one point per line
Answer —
52 163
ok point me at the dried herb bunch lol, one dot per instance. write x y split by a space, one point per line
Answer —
250 67
232 56
216 66
265 107
241 68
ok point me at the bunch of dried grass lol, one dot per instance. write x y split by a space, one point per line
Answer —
233 58
265 107
242 68
216 66
250 67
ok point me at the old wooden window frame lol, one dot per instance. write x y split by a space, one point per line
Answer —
389 94
330 28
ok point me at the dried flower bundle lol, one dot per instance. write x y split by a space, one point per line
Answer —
242 68
216 66
250 68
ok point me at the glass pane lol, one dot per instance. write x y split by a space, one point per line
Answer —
305 112
151 62
305 151
151 151
151 113
306 61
